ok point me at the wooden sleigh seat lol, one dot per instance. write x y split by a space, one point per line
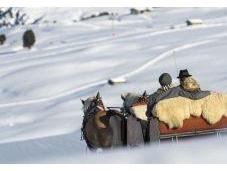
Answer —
192 126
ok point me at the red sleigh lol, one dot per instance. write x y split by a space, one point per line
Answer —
193 126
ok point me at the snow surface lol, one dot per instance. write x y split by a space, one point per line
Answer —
41 88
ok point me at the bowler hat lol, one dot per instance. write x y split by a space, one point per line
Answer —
184 73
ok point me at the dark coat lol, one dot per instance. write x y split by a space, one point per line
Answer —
134 132
179 91
152 101
171 93
140 132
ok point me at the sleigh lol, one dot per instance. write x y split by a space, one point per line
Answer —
192 127
196 117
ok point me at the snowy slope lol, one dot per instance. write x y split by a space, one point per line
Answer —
40 89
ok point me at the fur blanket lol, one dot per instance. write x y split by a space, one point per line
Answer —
174 111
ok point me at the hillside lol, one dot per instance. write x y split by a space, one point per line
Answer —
41 88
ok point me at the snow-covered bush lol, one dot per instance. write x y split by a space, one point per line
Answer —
104 13
28 39
2 39
134 11
10 17
95 15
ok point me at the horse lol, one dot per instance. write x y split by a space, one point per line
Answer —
135 106
101 128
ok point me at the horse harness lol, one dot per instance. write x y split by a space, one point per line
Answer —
94 108
145 124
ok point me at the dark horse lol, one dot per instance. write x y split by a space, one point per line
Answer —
101 128
135 107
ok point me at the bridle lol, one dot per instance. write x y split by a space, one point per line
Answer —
95 106
141 101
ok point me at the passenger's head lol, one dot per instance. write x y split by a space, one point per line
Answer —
190 84
187 82
165 80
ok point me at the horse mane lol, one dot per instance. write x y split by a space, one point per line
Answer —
130 99
88 101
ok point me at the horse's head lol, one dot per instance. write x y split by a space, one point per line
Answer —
93 104
136 104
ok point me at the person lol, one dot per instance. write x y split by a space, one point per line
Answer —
188 88
187 82
165 81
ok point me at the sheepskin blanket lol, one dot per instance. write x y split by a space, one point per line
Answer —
174 111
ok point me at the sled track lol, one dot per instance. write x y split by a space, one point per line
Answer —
81 46
71 48
103 82
77 90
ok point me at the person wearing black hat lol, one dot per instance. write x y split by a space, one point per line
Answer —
188 88
187 82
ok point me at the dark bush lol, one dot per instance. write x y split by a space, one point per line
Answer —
134 11
28 39
103 13
2 39
93 16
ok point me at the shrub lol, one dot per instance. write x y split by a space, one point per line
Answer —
2 39
134 11
28 39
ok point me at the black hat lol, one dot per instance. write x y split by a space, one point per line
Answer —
184 73
165 79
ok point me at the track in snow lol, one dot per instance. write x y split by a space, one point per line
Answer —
104 82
